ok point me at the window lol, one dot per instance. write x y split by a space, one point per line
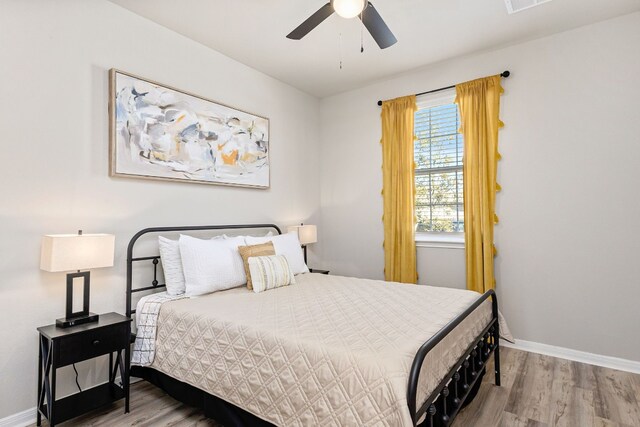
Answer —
438 154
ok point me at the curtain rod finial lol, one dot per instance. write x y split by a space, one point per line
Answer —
380 103
505 74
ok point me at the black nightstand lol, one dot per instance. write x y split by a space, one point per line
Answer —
63 346
315 270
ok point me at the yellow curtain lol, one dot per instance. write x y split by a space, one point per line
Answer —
479 103
398 189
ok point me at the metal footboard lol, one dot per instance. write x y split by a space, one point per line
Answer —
444 403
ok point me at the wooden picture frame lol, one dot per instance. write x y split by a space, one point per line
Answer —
163 133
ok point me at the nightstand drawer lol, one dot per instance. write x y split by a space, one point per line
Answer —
92 343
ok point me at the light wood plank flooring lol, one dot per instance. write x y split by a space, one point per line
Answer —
537 391
543 391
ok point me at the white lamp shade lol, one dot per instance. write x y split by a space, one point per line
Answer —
67 252
348 8
306 233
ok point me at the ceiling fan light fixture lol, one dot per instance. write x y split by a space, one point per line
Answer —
348 8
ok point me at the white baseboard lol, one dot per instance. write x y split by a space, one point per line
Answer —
21 419
575 355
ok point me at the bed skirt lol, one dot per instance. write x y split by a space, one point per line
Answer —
213 407
223 412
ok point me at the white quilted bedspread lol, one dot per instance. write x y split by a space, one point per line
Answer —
327 351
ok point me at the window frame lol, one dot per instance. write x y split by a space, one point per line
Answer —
438 239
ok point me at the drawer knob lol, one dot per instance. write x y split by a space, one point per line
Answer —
96 342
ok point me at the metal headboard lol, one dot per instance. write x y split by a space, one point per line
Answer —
154 258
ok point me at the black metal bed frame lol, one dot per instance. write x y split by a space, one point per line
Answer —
455 390
155 258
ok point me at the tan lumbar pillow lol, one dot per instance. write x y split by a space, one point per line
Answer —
246 252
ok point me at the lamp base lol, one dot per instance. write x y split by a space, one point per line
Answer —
66 322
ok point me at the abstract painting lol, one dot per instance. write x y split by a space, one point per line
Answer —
159 132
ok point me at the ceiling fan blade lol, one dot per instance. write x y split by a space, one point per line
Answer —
313 21
377 27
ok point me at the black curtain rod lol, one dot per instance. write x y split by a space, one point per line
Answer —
504 74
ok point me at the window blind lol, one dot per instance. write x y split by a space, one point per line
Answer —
438 154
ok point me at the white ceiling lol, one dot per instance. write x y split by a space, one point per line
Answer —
253 32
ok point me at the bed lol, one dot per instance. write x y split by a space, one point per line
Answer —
329 350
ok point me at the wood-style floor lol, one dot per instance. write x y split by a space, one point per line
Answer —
537 391
544 391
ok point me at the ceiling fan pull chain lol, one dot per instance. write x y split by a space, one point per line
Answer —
340 49
362 30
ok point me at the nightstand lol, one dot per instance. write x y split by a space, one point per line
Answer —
315 270
63 346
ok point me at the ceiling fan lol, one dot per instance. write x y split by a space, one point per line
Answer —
349 9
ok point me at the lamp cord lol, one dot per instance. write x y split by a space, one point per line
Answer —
77 383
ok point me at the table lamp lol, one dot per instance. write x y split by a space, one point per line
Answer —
69 252
307 234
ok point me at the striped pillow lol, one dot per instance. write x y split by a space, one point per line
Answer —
270 272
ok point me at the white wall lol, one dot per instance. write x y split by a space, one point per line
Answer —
568 241
54 58
438 266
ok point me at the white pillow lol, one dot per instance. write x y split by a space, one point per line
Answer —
269 234
211 265
287 245
171 265
270 272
